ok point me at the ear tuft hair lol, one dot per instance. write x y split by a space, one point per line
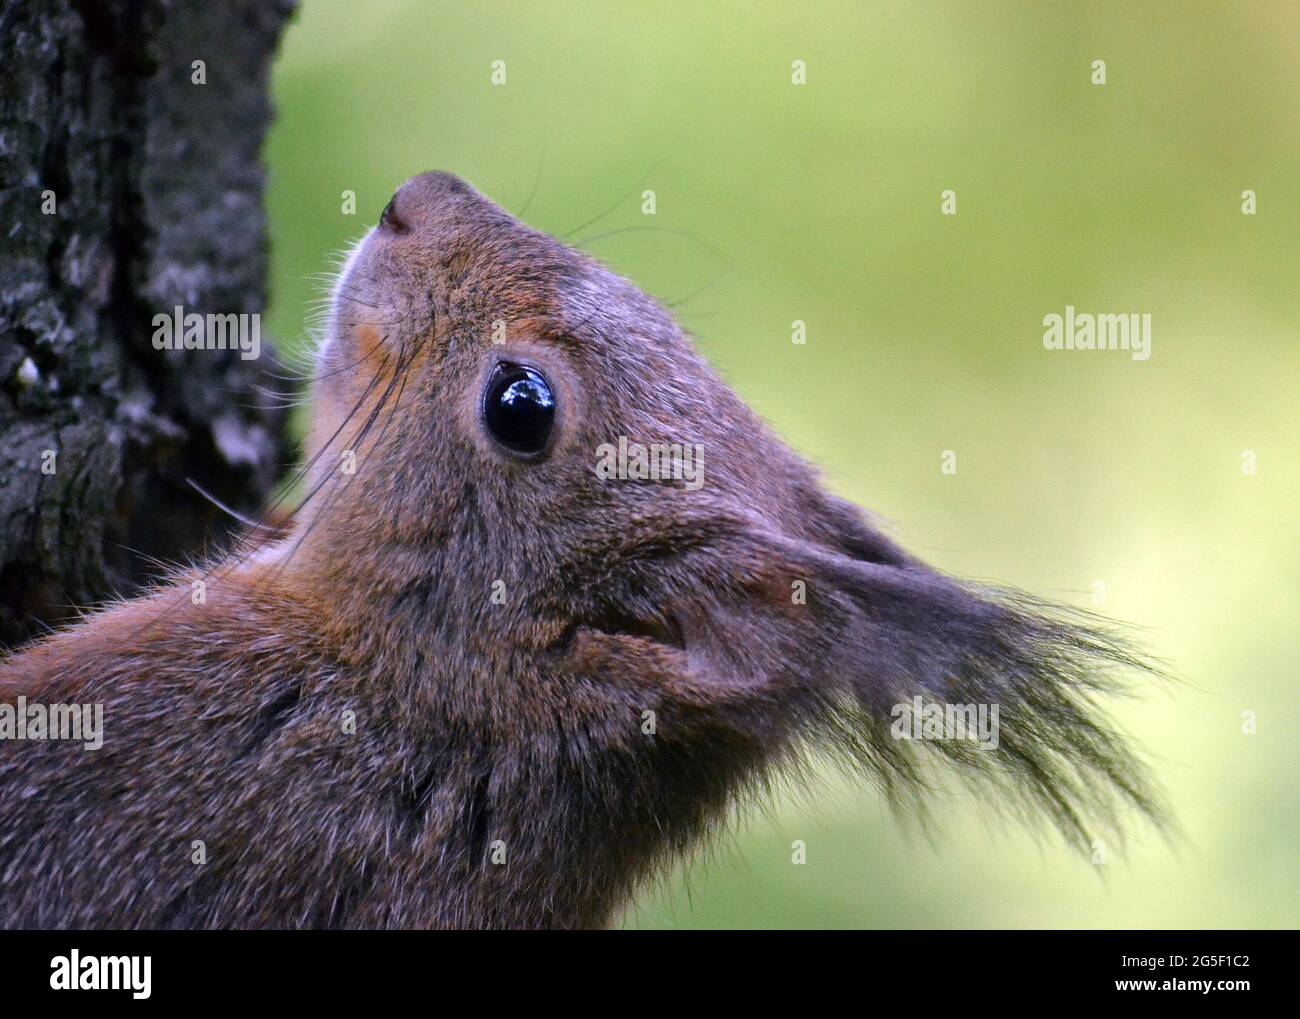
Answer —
917 634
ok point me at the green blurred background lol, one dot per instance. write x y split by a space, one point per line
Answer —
821 202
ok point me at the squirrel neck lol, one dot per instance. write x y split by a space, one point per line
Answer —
523 797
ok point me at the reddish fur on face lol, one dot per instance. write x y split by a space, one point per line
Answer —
497 772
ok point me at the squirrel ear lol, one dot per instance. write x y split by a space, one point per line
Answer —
819 644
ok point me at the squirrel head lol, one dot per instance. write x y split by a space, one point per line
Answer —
562 531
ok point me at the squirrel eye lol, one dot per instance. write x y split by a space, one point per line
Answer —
519 408
390 219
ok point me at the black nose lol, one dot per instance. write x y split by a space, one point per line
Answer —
390 220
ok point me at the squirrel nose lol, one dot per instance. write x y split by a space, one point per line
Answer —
435 182
428 196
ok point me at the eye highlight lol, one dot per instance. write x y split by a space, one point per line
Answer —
519 408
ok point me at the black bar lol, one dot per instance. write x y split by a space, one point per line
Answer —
1047 968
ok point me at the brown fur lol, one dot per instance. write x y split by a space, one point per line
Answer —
519 722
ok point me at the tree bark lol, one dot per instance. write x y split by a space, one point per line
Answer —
157 202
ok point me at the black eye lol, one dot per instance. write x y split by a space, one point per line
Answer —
390 219
519 408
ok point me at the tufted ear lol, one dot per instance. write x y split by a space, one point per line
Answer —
850 646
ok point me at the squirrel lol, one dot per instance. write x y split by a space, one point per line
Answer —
478 683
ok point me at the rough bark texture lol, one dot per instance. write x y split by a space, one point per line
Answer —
157 188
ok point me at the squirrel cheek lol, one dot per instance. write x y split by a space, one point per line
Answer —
367 340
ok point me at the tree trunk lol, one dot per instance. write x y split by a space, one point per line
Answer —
127 188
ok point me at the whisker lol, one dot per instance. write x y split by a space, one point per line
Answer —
536 181
621 200
226 509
